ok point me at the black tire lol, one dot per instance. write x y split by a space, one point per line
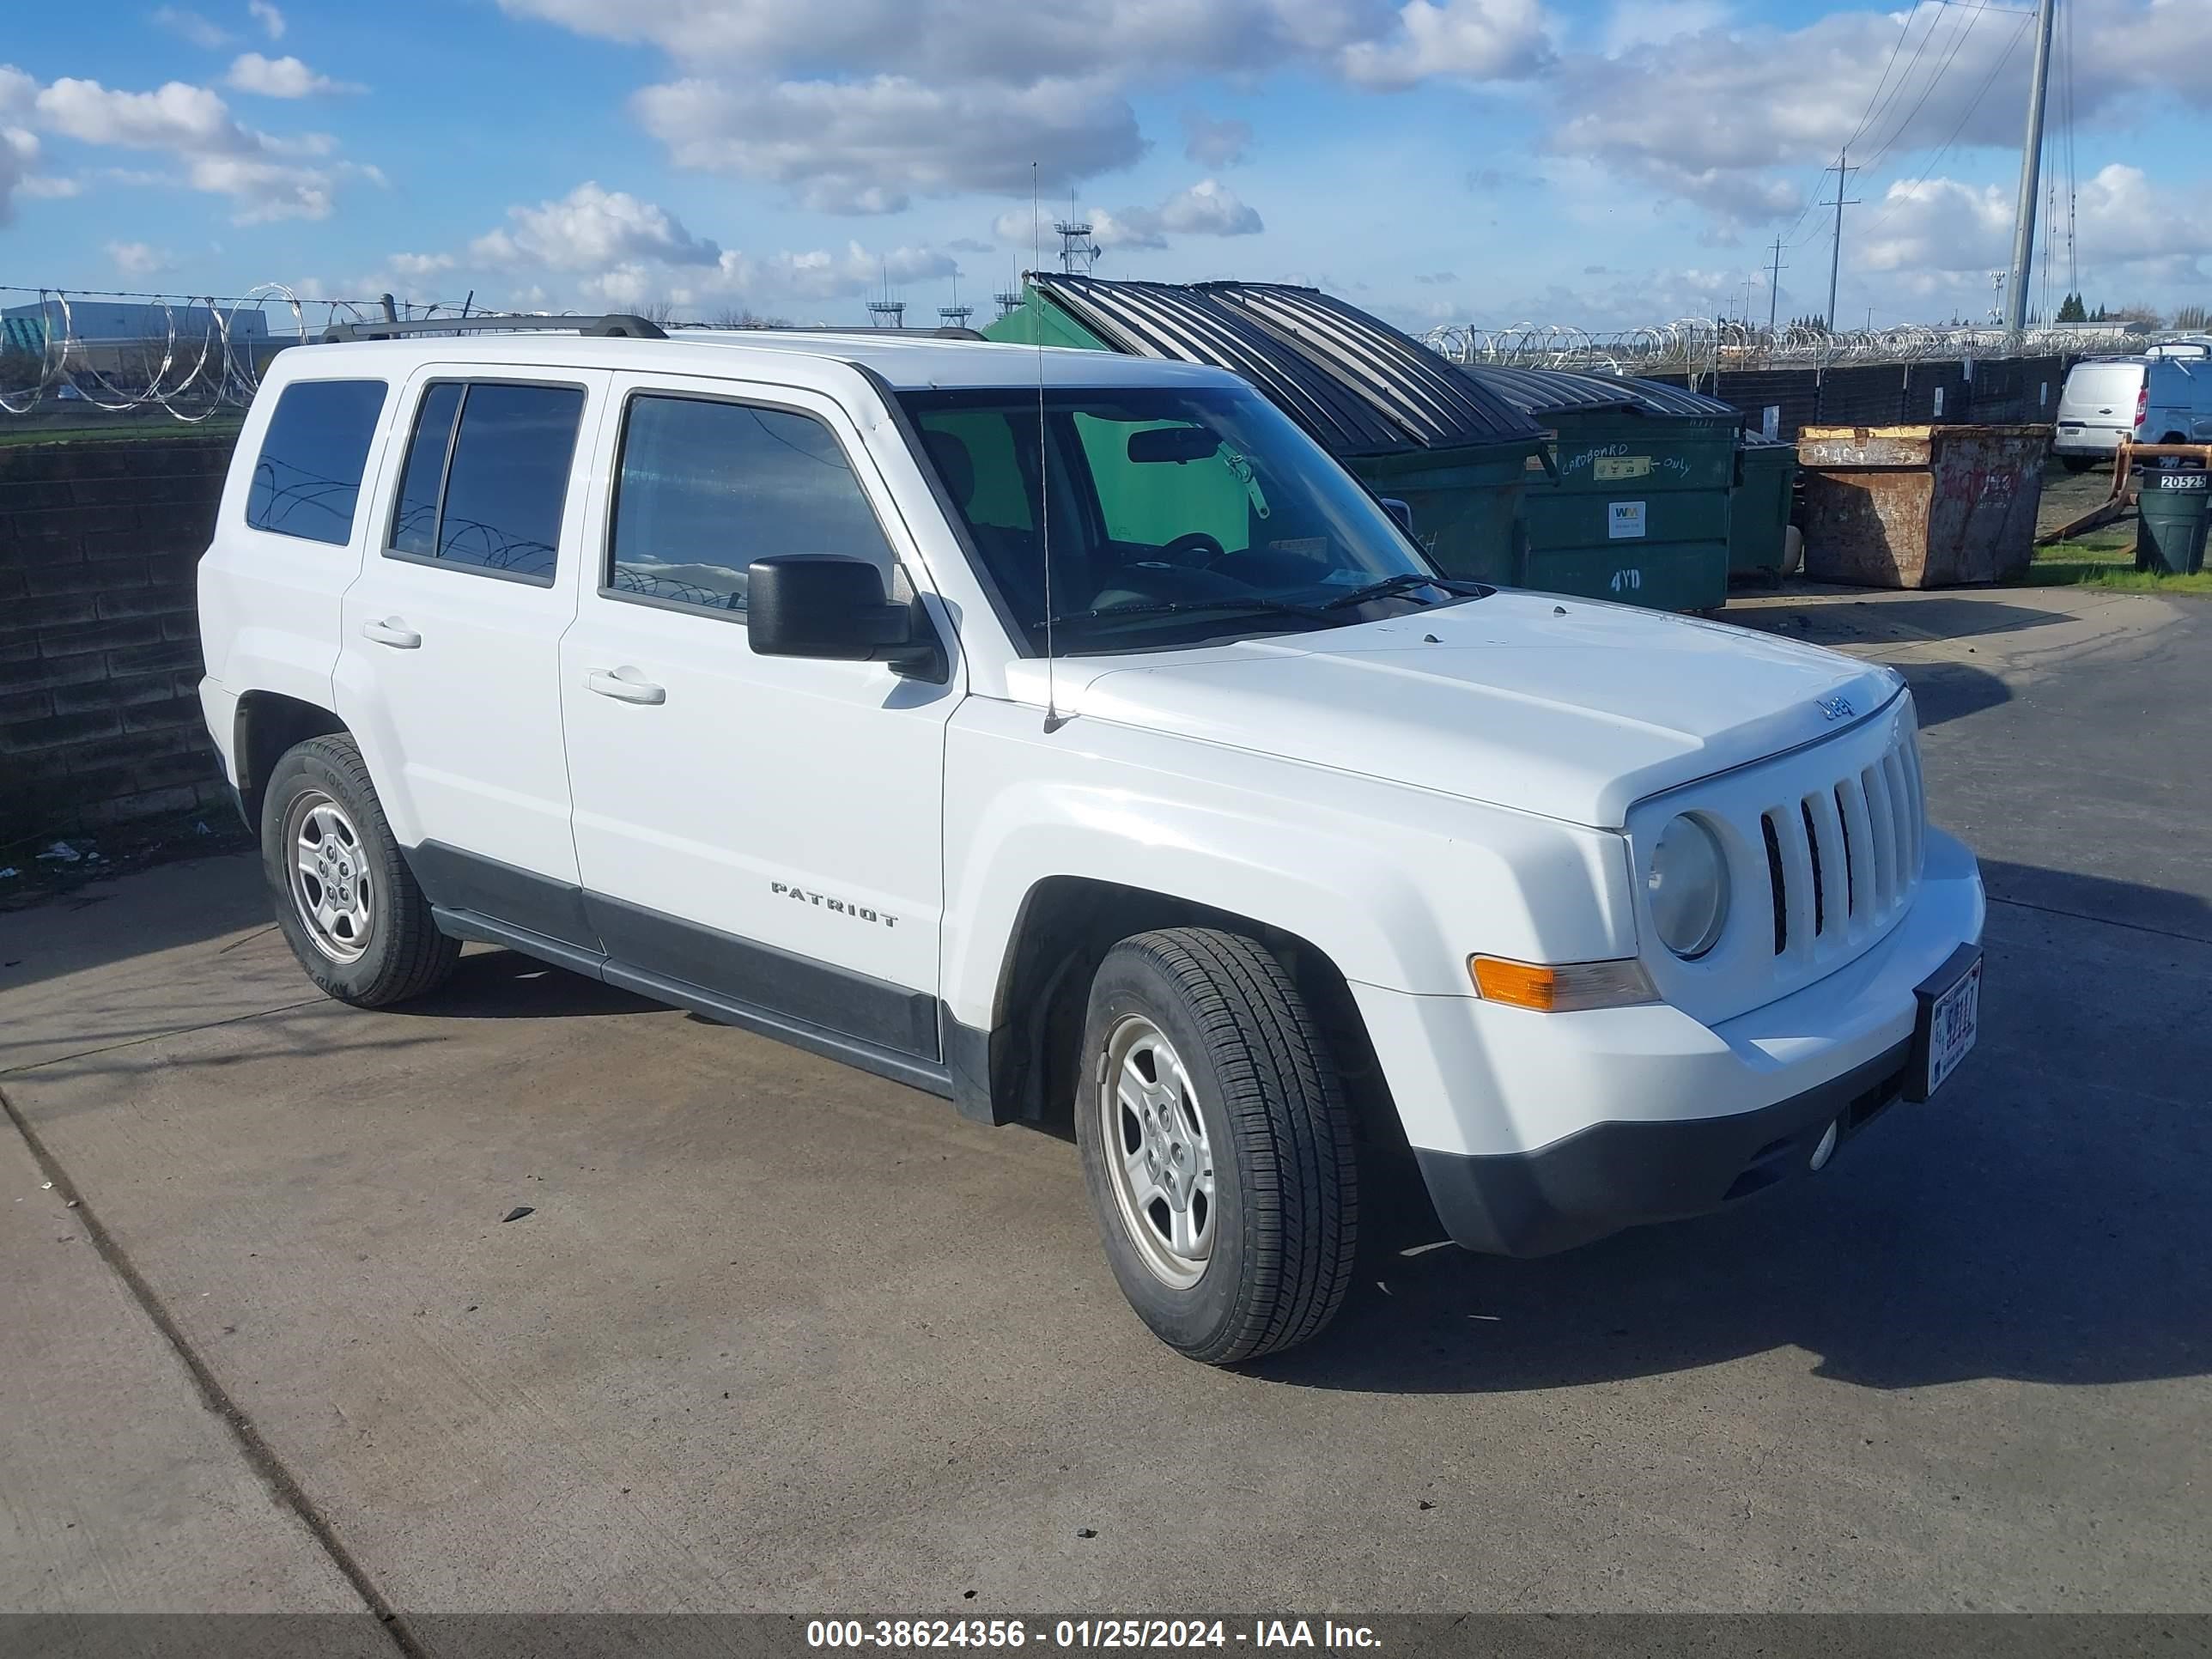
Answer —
2077 463
1285 1194
405 954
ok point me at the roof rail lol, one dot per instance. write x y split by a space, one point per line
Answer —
616 324
943 332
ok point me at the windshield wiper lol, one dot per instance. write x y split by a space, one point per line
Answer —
1188 607
1403 584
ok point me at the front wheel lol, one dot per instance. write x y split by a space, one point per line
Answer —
1216 1145
346 901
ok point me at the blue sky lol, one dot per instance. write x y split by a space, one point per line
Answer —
1601 163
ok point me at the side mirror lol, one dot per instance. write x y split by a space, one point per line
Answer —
1399 511
833 608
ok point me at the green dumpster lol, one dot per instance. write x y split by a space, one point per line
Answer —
1637 510
1400 418
1758 512
2174 511
1466 503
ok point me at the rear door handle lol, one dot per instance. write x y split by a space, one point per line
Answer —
392 632
622 686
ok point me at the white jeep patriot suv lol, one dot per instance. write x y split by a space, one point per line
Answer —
1062 732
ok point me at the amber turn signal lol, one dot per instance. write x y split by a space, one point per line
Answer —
1566 988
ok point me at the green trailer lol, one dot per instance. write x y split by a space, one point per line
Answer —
1638 506
1403 421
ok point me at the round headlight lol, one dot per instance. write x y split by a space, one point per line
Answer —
1688 887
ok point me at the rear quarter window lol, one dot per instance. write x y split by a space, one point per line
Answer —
306 479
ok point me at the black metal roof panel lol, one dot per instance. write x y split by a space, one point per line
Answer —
1661 399
1543 392
1185 325
1424 394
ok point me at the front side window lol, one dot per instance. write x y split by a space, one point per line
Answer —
1174 515
487 476
706 488
306 480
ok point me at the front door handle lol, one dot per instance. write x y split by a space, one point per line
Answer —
622 686
392 632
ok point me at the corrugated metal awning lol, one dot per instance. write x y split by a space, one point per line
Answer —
1182 325
1424 392
1355 383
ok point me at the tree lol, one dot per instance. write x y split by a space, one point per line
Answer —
2194 318
2073 311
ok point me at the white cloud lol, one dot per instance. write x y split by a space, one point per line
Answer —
138 258
1212 144
191 26
264 175
1459 39
610 248
18 150
174 117
1635 24
860 105
1207 208
1711 125
1944 225
282 77
591 227
868 146
271 18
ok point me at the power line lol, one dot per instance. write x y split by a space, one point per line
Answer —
1942 70
1898 198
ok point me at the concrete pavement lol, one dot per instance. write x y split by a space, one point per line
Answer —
778 1336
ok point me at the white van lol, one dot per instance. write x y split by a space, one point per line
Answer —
2163 397
1067 734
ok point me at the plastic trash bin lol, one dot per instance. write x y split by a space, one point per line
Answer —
2172 513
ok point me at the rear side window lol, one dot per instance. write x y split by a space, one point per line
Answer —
487 476
707 487
306 480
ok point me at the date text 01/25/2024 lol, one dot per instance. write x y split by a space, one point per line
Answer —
1327 1635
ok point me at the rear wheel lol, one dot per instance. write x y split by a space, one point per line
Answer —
2077 463
1216 1145
346 901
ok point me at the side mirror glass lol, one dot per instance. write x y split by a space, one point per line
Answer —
832 608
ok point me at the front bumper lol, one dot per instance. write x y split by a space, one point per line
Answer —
1539 1131
1612 1175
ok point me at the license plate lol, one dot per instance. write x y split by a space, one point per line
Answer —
1950 1019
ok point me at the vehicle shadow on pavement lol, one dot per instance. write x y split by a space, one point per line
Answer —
2041 1220
491 983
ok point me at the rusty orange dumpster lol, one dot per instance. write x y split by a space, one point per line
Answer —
1920 505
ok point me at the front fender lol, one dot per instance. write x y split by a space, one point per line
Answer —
1396 885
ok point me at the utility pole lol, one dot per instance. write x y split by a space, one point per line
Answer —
2031 165
1843 173
1774 288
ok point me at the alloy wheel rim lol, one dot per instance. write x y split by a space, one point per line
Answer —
329 881
1158 1156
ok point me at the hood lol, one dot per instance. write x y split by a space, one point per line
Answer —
1568 708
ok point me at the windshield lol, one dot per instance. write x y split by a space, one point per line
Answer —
1175 515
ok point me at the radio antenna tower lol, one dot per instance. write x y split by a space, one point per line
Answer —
955 315
1078 253
1010 300
887 312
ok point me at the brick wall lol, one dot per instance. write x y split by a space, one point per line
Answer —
100 654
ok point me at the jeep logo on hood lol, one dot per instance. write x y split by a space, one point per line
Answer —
1836 708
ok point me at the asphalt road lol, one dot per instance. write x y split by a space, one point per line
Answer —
778 1336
